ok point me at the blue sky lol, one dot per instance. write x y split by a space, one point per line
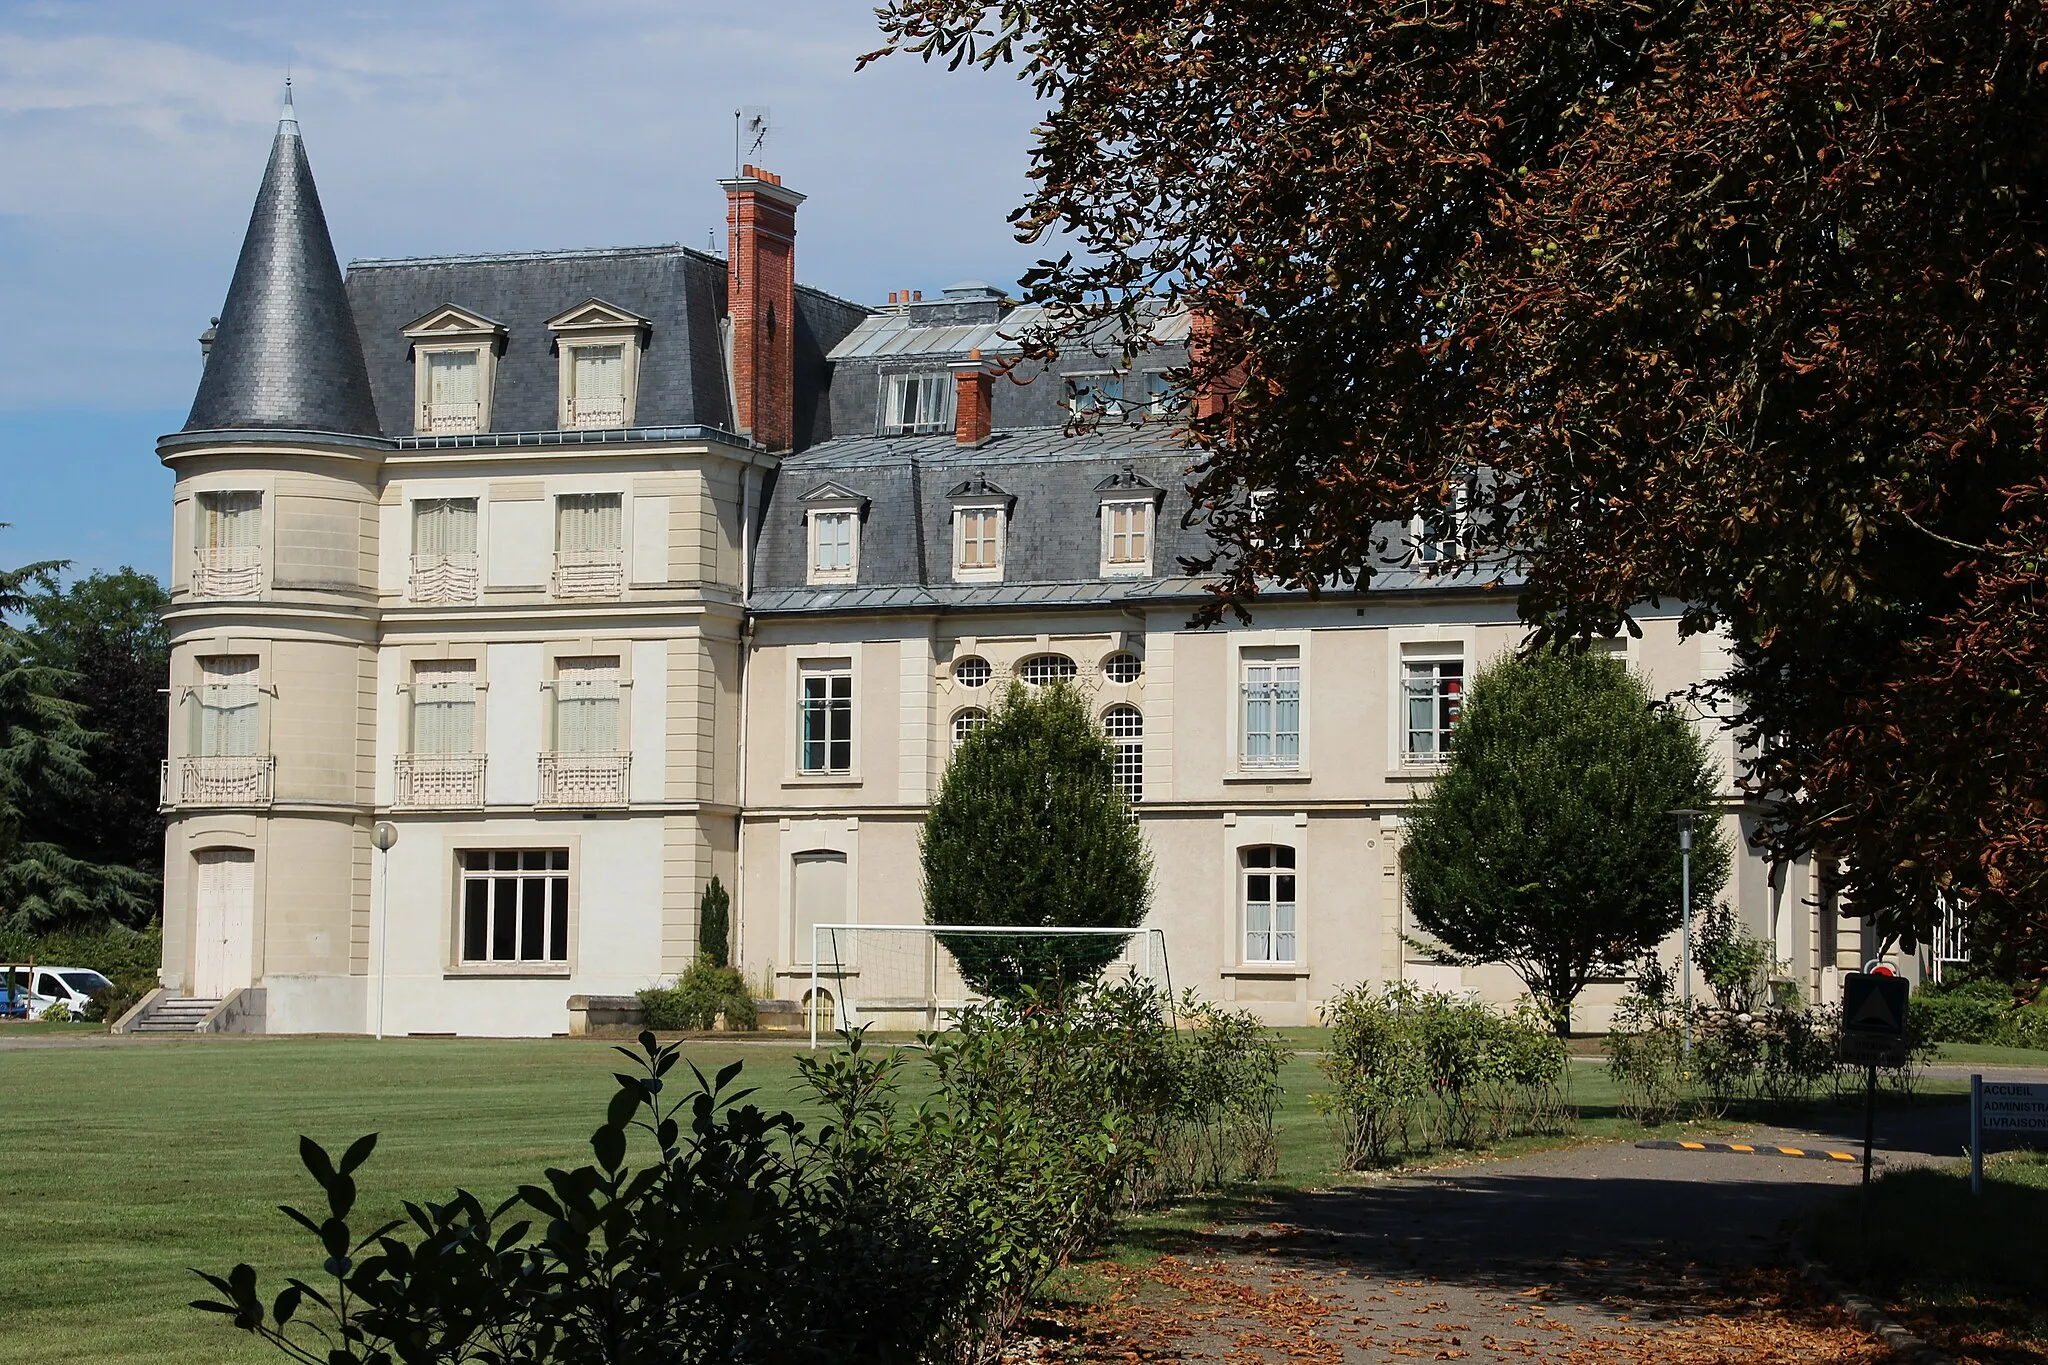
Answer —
134 133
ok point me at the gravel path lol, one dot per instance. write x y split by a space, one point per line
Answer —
1602 1253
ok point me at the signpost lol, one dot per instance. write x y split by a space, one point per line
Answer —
2007 1107
1873 1035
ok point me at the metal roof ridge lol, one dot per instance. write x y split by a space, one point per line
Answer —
556 254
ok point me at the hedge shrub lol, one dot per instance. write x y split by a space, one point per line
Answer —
702 993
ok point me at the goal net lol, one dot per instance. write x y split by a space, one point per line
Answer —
906 978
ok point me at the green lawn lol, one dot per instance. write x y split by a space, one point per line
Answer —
122 1165
1983 1054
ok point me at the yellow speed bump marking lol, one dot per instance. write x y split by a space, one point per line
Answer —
1745 1149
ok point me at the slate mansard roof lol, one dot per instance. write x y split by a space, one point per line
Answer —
1052 548
679 291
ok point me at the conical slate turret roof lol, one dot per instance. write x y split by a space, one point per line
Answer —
286 355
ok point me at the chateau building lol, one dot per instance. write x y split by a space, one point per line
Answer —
599 573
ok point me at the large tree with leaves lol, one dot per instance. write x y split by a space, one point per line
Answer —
1030 828
1548 844
1742 305
50 875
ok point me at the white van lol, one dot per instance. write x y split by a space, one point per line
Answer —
72 987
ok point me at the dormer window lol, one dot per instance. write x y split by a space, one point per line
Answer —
917 403
1161 399
1130 507
599 345
1101 394
456 361
832 517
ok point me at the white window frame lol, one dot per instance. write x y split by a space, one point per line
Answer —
1130 747
938 415
1267 649
591 572
444 331
828 670
1426 656
1146 510
580 678
1272 873
999 508
963 723
1102 392
458 686
599 324
228 535
230 688
1445 551
815 519
558 873
444 576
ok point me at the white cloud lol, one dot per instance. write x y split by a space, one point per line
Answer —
134 135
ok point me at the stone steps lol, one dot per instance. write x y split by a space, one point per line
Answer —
174 1015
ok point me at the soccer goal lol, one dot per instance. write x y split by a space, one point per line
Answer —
904 978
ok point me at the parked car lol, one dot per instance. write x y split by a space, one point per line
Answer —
72 987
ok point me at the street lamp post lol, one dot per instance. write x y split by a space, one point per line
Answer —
1685 819
383 835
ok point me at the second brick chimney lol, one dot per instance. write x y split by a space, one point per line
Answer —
973 401
760 300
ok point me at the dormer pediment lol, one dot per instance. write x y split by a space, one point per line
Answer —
979 490
595 315
1128 485
832 493
449 323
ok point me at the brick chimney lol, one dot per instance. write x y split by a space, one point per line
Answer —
973 401
760 301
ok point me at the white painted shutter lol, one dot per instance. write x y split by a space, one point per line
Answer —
227 705
452 377
444 526
444 707
590 523
587 706
600 372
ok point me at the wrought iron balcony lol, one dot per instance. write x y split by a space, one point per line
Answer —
219 780
597 412
438 419
589 573
449 578
439 782
578 781
227 572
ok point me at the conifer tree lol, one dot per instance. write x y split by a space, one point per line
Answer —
1548 844
714 924
1031 828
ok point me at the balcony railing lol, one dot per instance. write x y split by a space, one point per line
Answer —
438 419
580 780
227 571
589 573
439 782
444 578
226 780
597 412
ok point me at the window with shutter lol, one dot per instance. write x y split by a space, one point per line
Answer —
454 390
597 378
587 706
589 545
444 559
227 717
226 559
444 707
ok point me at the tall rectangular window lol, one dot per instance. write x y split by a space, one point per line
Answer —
917 403
444 707
1126 536
832 547
227 560
1269 904
454 392
589 545
826 723
515 905
227 717
980 540
1270 715
597 386
1435 690
587 706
